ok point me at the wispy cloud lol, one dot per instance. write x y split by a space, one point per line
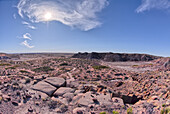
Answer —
25 43
27 36
81 14
28 25
153 4
14 16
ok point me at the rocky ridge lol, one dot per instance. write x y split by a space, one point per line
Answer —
113 57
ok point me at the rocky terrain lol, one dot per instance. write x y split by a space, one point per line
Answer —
62 85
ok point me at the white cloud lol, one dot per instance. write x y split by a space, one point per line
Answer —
14 16
153 4
81 14
25 43
27 36
28 25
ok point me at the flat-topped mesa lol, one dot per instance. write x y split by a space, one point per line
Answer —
113 57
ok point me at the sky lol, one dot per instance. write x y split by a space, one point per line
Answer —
125 26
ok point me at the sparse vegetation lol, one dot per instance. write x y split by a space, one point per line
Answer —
163 105
130 110
102 113
5 64
165 110
115 112
135 65
44 69
64 64
24 71
100 67
13 67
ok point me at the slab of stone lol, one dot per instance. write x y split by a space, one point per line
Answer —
76 99
104 99
117 100
62 90
87 99
68 95
44 87
55 81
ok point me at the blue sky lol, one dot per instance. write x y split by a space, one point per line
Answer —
130 26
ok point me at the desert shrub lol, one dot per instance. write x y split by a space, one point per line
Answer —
63 64
44 69
163 105
100 67
130 110
85 77
23 71
115 112
5 64
167 110
27 80
102 113
13 67
135 65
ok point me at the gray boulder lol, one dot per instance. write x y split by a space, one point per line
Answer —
62 90
55 81
86 100
44 87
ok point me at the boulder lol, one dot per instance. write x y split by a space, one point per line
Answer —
68 95
117 100
44 87
55 81
104 99
87 99
62 90
76 98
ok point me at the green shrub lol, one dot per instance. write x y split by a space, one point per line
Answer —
44 69
102 113
13 67
165 111
23 71
115 112
100 67
163 105
5 64
130 110
63 64
135 65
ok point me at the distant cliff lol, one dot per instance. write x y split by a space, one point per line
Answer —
113 57
8 56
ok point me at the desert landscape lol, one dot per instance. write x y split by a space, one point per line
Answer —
84 83
84 56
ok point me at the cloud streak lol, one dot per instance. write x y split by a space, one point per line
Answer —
153 4
27 36
25 43
81 14
28 25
